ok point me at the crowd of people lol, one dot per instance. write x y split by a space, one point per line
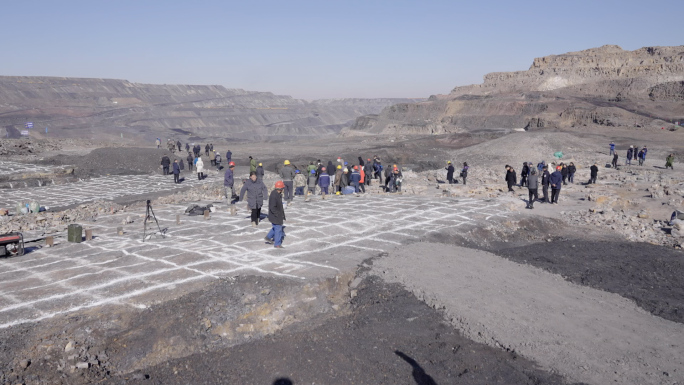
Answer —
342 177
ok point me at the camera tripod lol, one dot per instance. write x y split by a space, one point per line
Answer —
149 216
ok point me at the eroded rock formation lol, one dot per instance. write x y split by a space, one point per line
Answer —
603 86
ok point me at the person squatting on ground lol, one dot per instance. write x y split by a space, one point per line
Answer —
532 186
556 181
165 162
450 172
324 181
594 173
199 167
176 171
288 174
464 172
276 215
299 182
229 182
256 193
546 177
669 161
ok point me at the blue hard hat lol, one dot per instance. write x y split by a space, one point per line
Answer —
296 171
313 171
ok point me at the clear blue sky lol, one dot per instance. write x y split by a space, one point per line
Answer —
318 49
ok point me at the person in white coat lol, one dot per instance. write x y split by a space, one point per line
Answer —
199 165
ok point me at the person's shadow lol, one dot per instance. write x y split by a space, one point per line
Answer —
283 381
419 375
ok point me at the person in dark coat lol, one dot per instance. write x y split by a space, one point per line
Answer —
368 172
176 171
181 164
450 172
615 160
229 156
187 147
276 215
178 143
571 172
165 162
564 173
330 169
260 171
464 172
594 173
206 149
190 160
511 178
556 181
361 163
545 183
532 186
630 151
523 174
256 193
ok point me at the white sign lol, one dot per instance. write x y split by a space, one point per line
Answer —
25 133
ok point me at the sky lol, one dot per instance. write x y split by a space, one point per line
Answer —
318 49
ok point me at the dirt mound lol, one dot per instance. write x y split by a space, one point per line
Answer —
116 161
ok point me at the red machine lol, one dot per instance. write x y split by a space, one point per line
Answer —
11 244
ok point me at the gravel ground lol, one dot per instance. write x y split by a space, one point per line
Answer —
648 274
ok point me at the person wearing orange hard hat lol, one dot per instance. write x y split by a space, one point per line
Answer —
556 181
276 215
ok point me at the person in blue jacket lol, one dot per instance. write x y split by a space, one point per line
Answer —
324 181
556 181
355 179
612 148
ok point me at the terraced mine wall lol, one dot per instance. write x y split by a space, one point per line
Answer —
111 108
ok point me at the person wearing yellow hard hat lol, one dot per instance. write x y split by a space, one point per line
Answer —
338 178
260 172
450 172
288 174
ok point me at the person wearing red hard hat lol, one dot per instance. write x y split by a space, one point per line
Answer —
276 215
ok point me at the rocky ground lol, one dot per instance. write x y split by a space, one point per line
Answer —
400 311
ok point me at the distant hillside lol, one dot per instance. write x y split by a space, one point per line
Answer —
108 108
601 86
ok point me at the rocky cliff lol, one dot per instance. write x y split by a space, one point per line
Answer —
109 108
602 86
